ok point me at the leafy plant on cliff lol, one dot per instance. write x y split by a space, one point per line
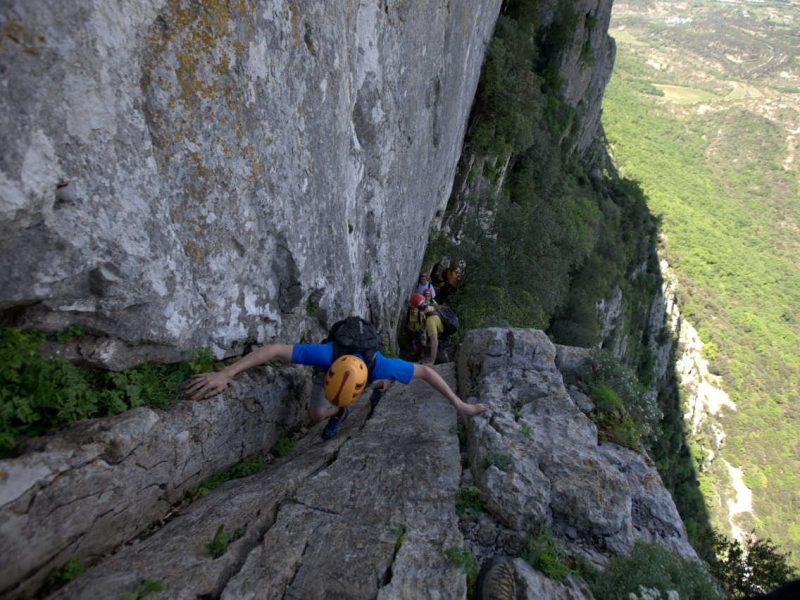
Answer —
618 390
542 553
219 543
60 577
750 568
464 558
255 463
143 588
653 567
39 392
469 501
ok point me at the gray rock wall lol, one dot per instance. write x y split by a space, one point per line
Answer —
187 174
538 461
585 62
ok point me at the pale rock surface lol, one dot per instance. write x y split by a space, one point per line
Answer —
545 467
83 492
204 174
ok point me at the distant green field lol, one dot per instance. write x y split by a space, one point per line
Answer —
731 214
685 95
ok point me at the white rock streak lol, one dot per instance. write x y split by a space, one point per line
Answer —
705 397
741 505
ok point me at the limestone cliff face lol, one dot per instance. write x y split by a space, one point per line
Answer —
182 174
584 60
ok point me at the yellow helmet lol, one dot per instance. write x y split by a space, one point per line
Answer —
345 380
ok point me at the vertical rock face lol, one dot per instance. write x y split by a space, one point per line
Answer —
585 57
189 174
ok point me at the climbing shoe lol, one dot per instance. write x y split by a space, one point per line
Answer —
375 397
332 428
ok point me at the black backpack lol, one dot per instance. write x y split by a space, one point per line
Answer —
448 317
354 335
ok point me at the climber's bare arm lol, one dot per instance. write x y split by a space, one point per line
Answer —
432 378
210 384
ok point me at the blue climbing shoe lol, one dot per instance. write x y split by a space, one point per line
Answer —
332 428
375 397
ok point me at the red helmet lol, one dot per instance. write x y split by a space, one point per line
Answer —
417 301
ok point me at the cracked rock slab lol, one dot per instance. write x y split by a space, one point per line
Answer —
378 520
369 513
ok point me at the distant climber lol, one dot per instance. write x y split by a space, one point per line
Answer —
440 324
415 332
352 360
424 283
450 277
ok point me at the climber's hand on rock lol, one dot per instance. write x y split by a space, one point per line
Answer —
206 385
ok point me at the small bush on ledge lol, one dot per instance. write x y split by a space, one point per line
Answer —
39 392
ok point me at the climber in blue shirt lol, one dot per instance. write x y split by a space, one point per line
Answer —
341 385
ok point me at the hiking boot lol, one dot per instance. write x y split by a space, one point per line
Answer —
375 397
332 428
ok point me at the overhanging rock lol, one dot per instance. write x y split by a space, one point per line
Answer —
192 174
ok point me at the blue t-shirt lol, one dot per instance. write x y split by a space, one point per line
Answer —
321 355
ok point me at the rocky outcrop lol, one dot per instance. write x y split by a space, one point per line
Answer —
538 462
584 59
84 492
191 174
370 513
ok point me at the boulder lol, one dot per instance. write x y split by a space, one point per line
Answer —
537 458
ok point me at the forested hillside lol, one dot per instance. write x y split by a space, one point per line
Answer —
704 111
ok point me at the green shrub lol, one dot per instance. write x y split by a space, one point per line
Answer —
283 446
469 500
255 463
543 555
745 570
464 558
143 588
622 380
219 543
58 578
497 459
652 566
606 399
38 392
